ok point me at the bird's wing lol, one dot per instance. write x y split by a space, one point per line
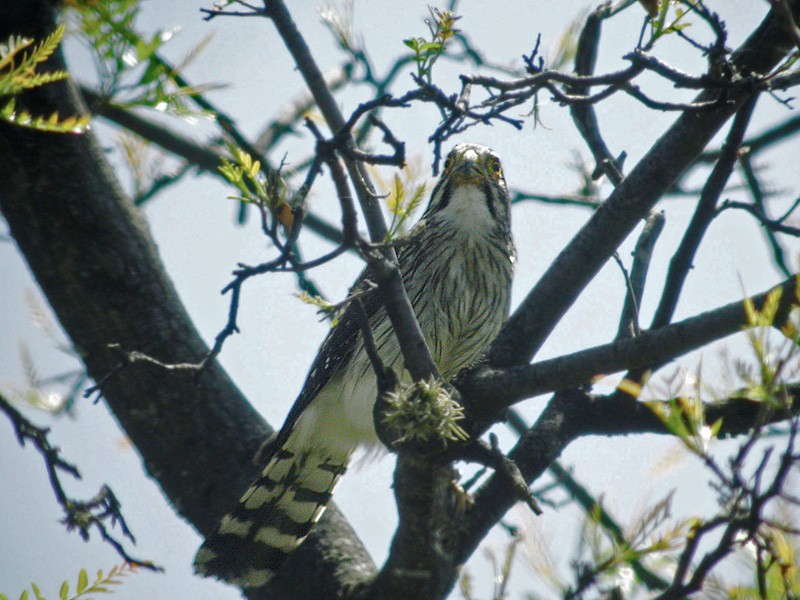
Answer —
340 344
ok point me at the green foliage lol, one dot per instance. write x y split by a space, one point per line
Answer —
403 204
424 411
633 561
264 190
612 558
21 65
83 588
684 417
766 385
427 51
130 68
779 577
19 60
763 380
323 306
659 26
403 195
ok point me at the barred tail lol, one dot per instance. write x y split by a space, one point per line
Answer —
272 518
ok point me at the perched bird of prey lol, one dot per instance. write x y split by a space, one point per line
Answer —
456 268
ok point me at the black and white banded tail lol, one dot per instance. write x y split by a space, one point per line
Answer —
272 518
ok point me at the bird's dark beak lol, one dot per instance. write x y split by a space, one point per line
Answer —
467 173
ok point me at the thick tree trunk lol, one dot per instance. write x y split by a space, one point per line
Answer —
92 254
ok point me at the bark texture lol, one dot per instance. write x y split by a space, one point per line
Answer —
92 254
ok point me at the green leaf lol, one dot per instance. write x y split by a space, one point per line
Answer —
397 196
63 592
431 47
83 581
18 69
36 592
151 73
771 305
144 49
751 314
100 589
416 199
52 123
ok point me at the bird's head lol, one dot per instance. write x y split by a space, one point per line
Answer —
472 187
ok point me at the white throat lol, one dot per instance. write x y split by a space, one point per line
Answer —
468 210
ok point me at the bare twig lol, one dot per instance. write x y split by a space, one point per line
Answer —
78 514
681 262
630 201
415 352
642 253
518 196
776 225
584 115
740 520
770 137
205 157
758 195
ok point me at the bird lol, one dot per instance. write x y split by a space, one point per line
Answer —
457 269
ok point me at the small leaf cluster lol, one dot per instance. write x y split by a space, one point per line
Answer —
403 195
427 51
424 411
611 561
19 61
684 417
323 306
130 68
264 190
83 588
772 363
659 25
402 203
780 577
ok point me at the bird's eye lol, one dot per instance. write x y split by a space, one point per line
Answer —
493 165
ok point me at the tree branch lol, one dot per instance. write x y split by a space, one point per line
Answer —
591 506
629 325
398 306
705 212
631 200
203 156
770 137
575 413
480 390
584 114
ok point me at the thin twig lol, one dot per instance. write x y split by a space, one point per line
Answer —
681 262
78 514
629 320
776 225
